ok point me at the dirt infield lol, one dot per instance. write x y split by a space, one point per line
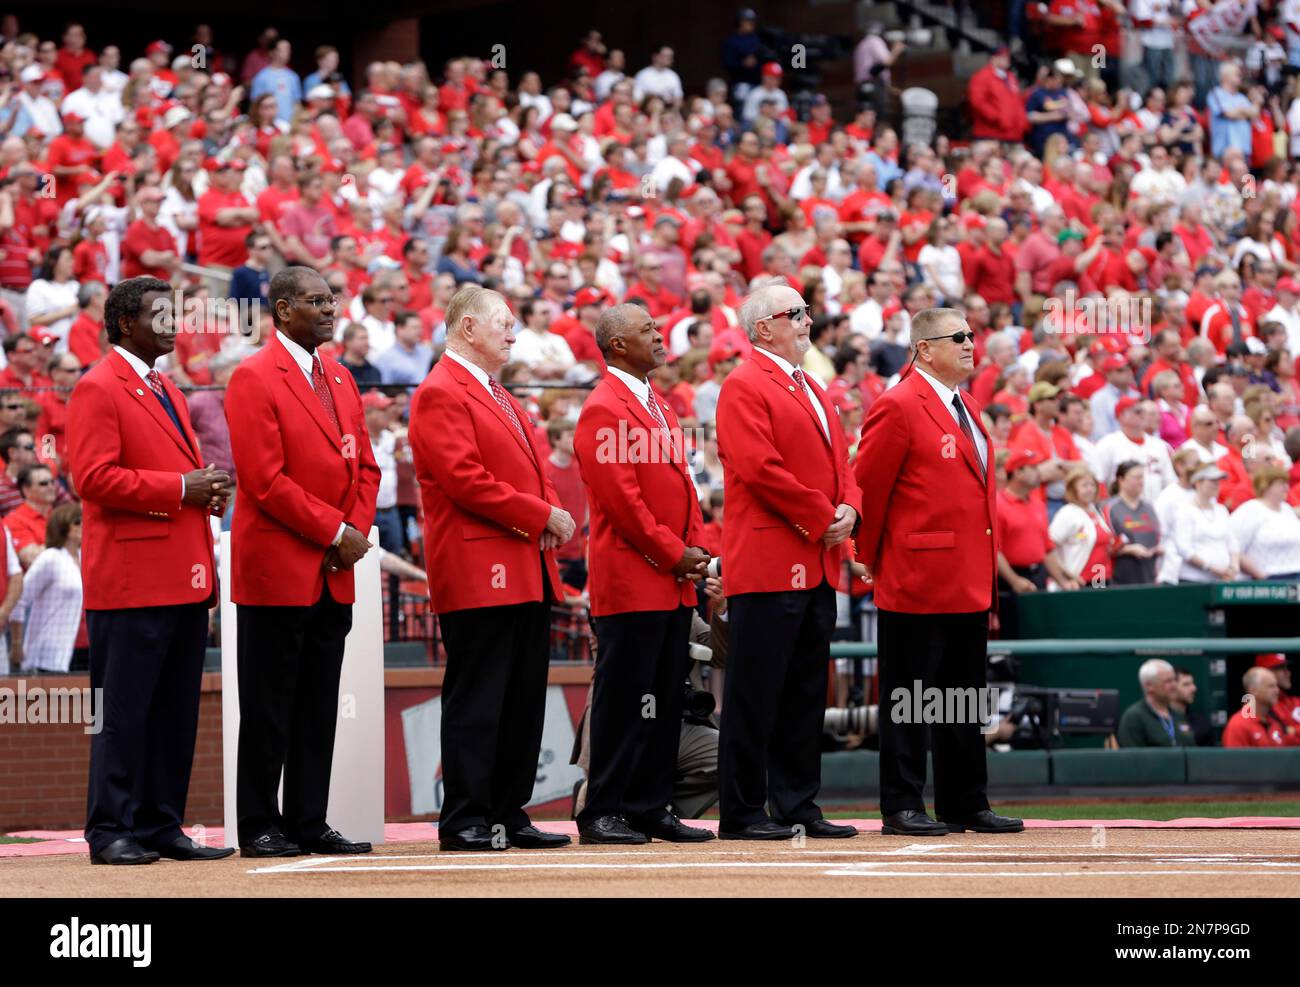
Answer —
1037 863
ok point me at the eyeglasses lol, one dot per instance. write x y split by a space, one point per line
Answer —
795 314
956 337
321 301
41 483
18 407
29 447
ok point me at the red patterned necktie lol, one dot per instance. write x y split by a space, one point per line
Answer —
499 393
154 379
655 413
322 391
798 379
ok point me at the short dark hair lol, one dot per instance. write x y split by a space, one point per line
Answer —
124 302
25 474
404 317
9 441
285 286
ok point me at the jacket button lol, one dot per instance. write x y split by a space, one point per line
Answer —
988 531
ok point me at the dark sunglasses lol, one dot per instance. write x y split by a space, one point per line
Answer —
793 314
956 337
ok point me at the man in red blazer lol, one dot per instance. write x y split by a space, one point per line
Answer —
148 580
789 495
646 532
928 537
307 488
491 523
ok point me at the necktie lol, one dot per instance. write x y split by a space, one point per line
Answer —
322 391
154 380
653 407
502 399
1235 316
798 379
968 432
802 381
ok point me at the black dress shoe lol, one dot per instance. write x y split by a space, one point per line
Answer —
824 829
183 848
986 821
912 822
473 838
611 829
336 843
124 851
271 845
765 830
532 838
672 830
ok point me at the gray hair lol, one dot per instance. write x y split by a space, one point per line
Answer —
926 321
89 291
1152 669
613 321
470 300
756 307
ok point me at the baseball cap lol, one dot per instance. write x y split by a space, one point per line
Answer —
33 73
974 221
722 351
890 310
1020 458
1210 472
1068 235
177 114
1255 346
72 116
1124 403
747 14
562 121
375 399
667 217
1289 284
321 91
44 337
1042 390
589 296
1065 67
158 46
1113 363
635 212
773 69
1274 660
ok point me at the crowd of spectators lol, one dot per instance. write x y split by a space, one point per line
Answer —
1127 257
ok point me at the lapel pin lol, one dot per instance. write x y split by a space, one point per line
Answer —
338 380
140 391
791 388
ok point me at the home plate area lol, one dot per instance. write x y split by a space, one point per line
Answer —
1187 858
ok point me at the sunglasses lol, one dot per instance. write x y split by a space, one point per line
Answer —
957 337
793 314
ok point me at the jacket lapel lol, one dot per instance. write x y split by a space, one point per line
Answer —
480 394
300 389
783 382
642 414
943 418
144 396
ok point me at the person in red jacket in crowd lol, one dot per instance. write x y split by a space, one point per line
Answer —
148 576
1287 706
928 541
646 552
307 488
1257 723
492 522
1226 320
997 107
1237 486
790 515
578 325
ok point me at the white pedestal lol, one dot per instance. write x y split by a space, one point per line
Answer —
356 805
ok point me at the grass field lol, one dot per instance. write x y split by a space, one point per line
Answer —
17 839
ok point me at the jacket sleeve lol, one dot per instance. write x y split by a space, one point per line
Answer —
95 452
612 485
257 444
441 435
881 451
746 442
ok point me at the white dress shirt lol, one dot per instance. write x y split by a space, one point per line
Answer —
946 394
789 368
305 362
478 372
142 368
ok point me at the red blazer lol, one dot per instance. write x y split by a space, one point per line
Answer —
783 482
928 532
298 479
644 509
140 546
485 493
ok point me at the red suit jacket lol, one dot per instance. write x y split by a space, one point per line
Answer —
783 482
485 493
298 479
928 532
141 547
644 509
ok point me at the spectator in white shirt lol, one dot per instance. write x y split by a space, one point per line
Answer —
658 78
99 107
768 89
1133 442
50 608
1203 533
385 180
941 263
1186 462
546 354
1284 312
677 163
615 64
1267 529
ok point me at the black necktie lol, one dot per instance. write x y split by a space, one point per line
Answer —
968 432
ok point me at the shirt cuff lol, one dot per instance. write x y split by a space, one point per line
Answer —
182 489
338 536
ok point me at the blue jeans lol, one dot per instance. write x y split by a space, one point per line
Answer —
1159 66
389 523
